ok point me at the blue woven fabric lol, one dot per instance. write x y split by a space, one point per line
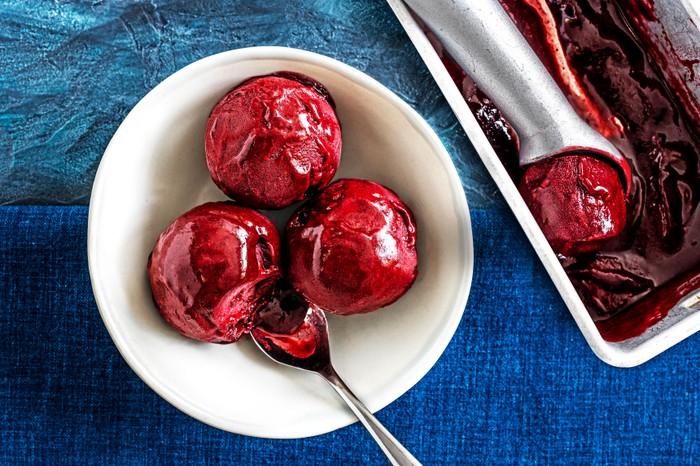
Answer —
517 384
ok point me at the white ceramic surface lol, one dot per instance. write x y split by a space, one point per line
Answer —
154 170
683 320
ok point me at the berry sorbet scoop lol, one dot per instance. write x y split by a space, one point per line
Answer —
575 181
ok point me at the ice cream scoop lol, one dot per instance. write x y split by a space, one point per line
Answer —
352 248
273 140
212 270
484 41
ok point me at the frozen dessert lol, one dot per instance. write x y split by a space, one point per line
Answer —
273 140
614 62
352 248
213 268
215 272
577 200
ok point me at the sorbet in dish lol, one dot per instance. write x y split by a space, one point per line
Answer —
273 140
212 270
352 248
612 60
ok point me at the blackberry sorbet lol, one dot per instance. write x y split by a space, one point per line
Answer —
352 248
273 140
213 268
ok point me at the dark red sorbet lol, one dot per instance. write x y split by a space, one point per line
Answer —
273 140
213 268
352 248
578 201
621 74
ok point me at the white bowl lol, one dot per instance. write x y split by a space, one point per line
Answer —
154 170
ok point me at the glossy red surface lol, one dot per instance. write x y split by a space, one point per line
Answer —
352 248
213 268
578 201
273 140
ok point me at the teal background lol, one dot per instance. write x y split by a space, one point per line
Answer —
72 70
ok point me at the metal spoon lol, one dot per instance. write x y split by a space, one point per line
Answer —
485 42
308 348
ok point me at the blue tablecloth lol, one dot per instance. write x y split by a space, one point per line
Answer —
517 384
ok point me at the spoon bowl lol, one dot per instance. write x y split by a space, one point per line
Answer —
307 347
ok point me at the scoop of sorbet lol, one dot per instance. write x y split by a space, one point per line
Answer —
577 200
213 268
352 248
273 140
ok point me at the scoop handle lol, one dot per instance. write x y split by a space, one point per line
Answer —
485 42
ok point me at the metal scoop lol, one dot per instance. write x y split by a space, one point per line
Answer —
308 348
485 42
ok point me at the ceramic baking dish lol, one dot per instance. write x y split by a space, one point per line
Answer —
682 321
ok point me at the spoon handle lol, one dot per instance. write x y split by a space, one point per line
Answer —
395 452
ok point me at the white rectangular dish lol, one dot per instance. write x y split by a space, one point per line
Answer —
682 321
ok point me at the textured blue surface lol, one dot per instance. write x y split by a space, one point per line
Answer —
517 384
72 70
